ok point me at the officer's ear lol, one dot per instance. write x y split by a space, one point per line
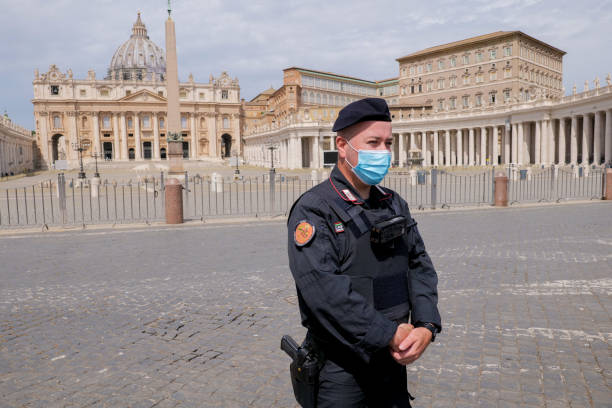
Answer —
342 146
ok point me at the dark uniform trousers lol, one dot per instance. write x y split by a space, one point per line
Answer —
352 293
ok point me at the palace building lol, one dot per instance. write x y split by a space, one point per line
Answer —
16 148
488 100
122 117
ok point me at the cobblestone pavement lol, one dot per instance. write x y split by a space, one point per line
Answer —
192 316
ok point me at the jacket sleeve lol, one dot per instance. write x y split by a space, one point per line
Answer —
422 278
343 314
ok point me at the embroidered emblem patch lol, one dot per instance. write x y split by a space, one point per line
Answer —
303 233
339 227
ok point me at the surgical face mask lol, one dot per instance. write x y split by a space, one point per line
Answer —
372 165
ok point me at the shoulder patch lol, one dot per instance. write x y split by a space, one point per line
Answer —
303 234
339 227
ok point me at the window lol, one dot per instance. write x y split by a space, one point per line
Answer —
162 123
453 61
412 70
429 86
130 135
160 93
479 78
57 122
411 89
478 100
183 122
452 82
420 69
103 92
183 93
492 97
507 72
440 84
420 88
54 90
440 104
465 101
224 94
466 59
126 76
466 80
83 92
508 51
130 123
428 67
479 56
128 92
506 95
106 122
201 96
226 123
441 64
493 75
106 135
453 103
146 122
492 54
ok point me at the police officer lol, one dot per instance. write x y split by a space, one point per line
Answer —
367 289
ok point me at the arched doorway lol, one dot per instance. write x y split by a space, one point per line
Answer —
162 153
185 150
146 150
58 148
226 145
131 153
108 150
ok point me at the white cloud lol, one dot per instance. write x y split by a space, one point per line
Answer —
255 40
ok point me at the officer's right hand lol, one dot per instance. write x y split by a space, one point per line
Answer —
403 330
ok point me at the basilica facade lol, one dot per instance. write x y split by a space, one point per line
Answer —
122 116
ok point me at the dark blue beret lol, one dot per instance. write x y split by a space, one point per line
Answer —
361 111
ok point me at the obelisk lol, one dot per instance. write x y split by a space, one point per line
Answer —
173 119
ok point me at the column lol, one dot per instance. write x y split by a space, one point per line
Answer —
211 122
402 154
435 148
447 148
96 133
537 143
237 135
124 143
156 153
483 146
316 155
574 141
550 130
193 145
597 139
116 137
586 134
412 136
138 147
424 154
44 138
74 138
520 144
459 147
471 146
494 141
562 141
513 144
608 142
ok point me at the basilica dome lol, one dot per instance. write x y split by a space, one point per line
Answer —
138 58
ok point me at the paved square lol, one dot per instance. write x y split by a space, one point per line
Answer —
192 317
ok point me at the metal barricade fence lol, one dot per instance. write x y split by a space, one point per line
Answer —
81 201
62 201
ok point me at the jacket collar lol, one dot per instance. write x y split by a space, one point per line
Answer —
347 192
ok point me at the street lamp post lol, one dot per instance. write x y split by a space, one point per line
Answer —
96 155
80 148
237 171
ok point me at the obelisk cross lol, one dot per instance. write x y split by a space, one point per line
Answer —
169 8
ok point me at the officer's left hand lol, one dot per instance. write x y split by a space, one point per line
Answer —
411 348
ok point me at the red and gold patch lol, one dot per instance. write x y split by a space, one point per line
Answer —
303 233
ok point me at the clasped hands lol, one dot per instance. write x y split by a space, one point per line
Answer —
409 343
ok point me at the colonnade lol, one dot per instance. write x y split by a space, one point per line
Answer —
16 148
579 139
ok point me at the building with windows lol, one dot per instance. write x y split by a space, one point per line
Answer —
122 117
488 100
16 148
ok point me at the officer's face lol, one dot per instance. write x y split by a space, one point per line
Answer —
371 135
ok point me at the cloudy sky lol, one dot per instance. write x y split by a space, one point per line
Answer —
254 40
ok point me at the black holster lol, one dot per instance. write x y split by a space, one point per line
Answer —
304 370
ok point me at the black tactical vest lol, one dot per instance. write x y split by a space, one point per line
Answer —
378 272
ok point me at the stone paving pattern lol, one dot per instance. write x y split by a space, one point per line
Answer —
192 316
